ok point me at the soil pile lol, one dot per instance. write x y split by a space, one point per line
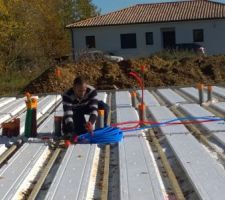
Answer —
159 71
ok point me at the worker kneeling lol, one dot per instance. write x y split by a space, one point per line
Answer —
78 101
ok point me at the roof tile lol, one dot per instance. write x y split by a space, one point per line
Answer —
158 12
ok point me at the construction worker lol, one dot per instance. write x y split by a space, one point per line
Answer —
78 101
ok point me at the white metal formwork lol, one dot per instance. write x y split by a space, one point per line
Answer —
170 96
123 99
47 127
48 102
25 164
219 106
17 169
139 175
71 180
216 128
8 112
21 169
74 174
6 100
149 99
204 173
193 93
11 109
161 115
219 91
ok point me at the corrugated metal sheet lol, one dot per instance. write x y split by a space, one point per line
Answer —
158 12
139 176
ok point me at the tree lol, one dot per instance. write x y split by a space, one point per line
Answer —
85 9
32 32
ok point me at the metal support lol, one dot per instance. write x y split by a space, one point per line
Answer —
200 90
209 93
134 99
105 185
105 189
43 175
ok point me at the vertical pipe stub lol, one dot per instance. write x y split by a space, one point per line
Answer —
57 126
101 114
209 93
200 87
134 99
142 113
31 117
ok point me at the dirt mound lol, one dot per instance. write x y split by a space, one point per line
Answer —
159 71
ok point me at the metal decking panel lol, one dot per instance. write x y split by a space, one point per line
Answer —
162 114
47 127
171 96
47 103
13 106
10 110
149 99
207 177
220 136
4 117
6 100
205 174
139 178
22 162
159 113
71 180
196 110
192 92
20 165
123 99
220 106
219 91
17 168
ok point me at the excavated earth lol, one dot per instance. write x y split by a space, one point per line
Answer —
158 71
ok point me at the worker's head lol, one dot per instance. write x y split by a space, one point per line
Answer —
79 86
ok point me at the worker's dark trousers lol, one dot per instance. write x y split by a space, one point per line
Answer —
79 118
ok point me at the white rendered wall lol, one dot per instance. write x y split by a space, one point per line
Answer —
107 38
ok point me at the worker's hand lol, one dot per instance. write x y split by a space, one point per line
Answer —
75 139
89 127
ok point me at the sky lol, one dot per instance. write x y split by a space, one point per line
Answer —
107 6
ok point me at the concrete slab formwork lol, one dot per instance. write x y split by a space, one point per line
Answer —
216 128
74 174
170 96
139 175
149 99
203 171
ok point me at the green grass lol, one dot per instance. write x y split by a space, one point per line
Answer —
12 82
